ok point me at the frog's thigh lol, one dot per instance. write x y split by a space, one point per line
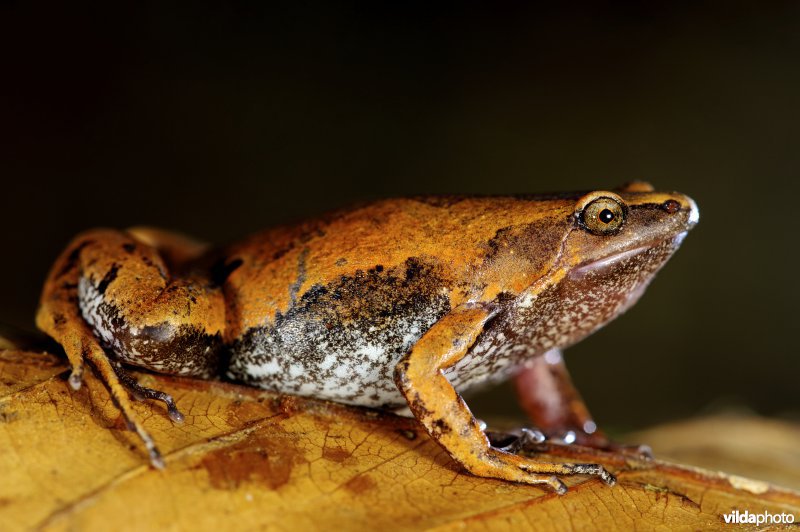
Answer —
152 318
443 413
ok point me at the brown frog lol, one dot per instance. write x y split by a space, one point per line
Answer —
399 302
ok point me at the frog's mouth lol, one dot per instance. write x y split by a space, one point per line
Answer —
663 247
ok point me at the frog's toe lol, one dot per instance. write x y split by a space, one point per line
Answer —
142 393
594 470
556 484
75 378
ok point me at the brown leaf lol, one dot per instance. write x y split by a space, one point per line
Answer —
248 459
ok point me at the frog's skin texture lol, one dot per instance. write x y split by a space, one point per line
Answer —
396 303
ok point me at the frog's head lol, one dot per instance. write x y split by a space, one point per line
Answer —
609 240
618 241
633 224
611 246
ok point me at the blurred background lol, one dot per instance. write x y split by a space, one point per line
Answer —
219 121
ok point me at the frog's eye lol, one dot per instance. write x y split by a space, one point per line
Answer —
603 216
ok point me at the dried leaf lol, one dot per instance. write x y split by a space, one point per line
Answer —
252 459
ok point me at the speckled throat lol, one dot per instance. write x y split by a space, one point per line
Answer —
562 314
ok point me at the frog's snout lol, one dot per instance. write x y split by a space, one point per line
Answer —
694 212
685 206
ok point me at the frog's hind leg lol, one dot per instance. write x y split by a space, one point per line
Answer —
555 407
111 289
547 395
448 420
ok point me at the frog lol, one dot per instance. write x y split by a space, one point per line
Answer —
397 303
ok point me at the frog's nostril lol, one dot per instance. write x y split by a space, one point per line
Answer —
686 205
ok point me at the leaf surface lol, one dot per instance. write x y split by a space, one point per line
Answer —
248 459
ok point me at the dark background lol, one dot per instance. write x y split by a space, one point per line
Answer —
219 121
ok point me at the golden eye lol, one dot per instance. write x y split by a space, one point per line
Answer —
603 216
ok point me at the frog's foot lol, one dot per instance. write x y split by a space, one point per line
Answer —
500 464
142 393
531 440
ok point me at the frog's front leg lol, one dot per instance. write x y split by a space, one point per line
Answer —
446 417
111 290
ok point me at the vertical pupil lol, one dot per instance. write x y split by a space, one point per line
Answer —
606 216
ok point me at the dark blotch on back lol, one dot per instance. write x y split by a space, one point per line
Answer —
373 300
536 241
111 274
